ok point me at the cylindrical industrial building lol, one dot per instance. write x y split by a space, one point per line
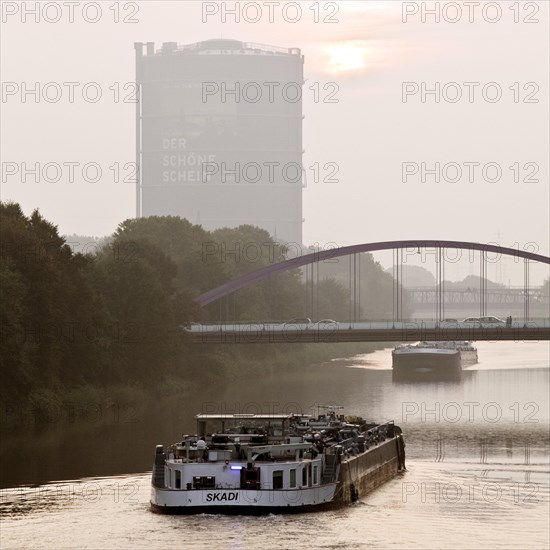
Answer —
219 135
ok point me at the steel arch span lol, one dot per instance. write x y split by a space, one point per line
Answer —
263 273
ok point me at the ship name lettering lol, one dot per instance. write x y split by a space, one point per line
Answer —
225 496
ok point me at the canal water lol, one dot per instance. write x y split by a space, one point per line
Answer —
478 463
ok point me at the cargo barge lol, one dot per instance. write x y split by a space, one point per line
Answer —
278 463
440 360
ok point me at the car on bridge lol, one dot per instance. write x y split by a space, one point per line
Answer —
190 326
326 324
448 322
300 321
484 322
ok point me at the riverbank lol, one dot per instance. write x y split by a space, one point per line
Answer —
214 365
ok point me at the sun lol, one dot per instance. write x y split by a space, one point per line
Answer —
346 57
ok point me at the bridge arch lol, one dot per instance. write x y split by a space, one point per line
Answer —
268 271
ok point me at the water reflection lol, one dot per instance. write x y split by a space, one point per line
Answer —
61 495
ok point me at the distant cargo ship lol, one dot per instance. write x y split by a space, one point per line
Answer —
433 359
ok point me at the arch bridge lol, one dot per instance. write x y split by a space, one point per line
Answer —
398 329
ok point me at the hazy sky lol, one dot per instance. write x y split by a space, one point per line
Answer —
368 51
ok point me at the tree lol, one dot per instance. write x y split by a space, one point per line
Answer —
186 244
47 300
141 324
241 250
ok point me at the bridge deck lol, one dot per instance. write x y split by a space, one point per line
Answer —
256 333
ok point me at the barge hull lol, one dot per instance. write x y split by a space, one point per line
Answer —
420 366
243 510
377 466
426 365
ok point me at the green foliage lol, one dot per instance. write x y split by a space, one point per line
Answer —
178 239
244 249
46 301
332 300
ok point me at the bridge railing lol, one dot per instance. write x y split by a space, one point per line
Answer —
430 323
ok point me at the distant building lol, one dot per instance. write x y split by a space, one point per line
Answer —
219 134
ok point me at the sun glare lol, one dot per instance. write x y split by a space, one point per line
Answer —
346 57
